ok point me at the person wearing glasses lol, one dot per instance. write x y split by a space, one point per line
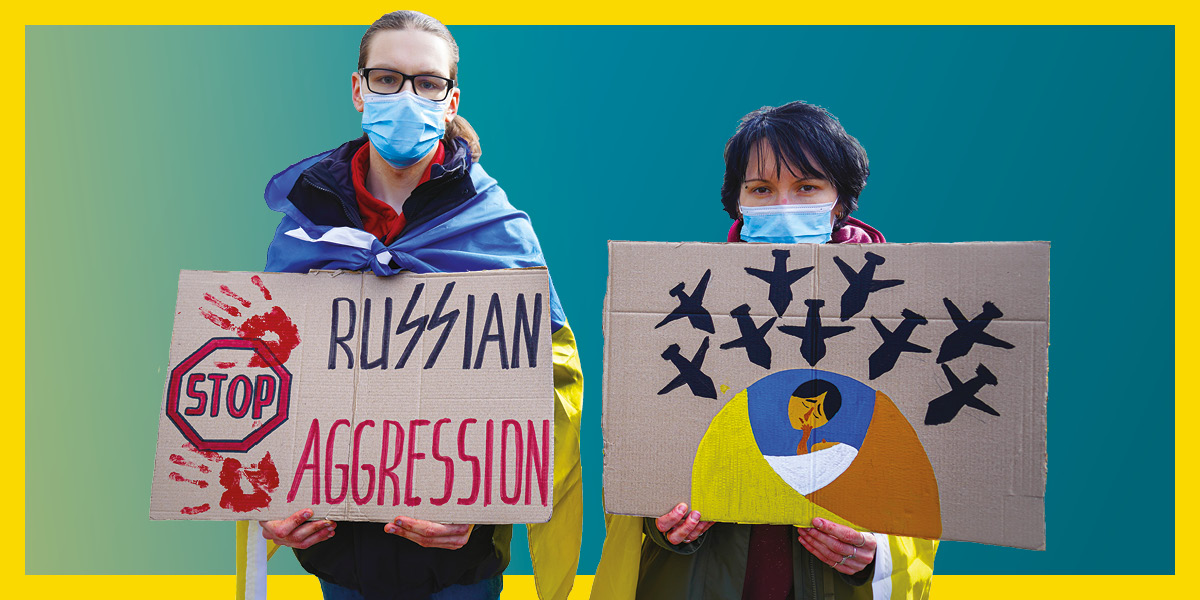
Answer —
411 195
792 175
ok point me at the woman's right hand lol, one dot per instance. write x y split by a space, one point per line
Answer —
680 526
294 532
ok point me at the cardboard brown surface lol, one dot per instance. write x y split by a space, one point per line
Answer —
363 398
689 327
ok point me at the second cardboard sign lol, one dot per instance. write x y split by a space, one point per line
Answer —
895 388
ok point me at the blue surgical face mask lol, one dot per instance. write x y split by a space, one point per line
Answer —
788 223
403 127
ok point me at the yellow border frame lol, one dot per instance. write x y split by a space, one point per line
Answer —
1136 537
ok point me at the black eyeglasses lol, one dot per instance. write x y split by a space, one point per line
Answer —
387 81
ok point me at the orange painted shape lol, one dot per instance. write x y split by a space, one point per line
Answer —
890 485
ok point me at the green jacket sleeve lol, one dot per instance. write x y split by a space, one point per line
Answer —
650 529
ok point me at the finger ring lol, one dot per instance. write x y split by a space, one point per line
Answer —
844 559
854 551
862 543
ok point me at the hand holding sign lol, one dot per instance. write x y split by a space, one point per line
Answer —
294 532
680 526
845 549
430 534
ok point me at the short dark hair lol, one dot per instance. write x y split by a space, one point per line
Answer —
794 132
814 388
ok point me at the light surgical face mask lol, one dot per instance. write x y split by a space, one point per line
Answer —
788 223
403 127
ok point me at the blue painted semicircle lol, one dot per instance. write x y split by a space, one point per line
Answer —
768 406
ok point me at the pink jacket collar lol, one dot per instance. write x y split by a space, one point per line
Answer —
852 231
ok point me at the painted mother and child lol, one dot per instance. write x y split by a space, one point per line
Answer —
413 183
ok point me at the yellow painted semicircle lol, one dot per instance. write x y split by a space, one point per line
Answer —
731 478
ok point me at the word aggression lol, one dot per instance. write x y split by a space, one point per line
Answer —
525 446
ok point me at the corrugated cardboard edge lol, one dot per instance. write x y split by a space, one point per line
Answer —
1046 399
606 327
548 348
162 401
607 375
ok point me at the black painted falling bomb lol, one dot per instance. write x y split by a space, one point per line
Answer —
815 333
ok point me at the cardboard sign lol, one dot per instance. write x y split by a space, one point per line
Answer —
364 398
898 388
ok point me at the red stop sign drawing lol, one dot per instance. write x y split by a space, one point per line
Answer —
223 408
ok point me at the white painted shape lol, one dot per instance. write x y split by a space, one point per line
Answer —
807 473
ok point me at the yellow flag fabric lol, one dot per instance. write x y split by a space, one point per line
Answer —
620 559
240 557
553 546
908 563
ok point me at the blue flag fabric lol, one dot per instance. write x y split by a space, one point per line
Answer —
485 232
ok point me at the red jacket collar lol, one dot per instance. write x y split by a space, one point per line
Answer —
379 218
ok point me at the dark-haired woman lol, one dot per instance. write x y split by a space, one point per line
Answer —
792 175
411 195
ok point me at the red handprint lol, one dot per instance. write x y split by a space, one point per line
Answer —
257 326
262 477
203 468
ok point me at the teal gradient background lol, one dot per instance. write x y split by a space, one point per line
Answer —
148 148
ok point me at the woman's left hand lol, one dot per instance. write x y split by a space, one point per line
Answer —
430 534
845 549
